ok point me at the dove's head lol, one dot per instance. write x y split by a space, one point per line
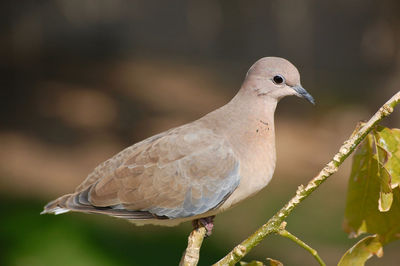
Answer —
276 78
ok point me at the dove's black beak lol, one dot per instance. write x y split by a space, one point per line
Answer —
301 92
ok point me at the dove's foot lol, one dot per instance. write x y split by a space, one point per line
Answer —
207 222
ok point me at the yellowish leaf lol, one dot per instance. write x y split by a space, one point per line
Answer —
362 251
273 262
373 205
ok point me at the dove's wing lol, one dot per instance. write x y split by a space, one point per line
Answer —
183 172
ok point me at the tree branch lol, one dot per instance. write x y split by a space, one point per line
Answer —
192 253
274 224
299 242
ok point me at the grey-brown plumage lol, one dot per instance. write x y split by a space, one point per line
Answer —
198 169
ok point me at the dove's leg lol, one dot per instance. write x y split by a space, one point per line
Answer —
207 222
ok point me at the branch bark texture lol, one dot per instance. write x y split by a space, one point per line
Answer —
192 253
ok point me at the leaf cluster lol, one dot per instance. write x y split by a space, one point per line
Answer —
373 198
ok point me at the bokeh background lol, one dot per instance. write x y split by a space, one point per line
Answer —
80 80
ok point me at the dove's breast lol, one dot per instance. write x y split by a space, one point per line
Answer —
256 151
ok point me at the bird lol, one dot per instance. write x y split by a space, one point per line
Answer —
194 171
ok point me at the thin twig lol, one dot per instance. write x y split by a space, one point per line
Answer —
273 225
312 251
192 253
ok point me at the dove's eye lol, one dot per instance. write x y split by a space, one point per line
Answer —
278 79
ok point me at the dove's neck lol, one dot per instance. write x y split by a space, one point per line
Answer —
247 119
252 125
252 116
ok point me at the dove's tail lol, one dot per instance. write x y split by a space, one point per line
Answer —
79 202
57 206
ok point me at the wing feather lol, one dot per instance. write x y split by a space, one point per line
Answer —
182 172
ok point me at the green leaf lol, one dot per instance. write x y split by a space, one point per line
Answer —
373 199
389 141
368 219
385 194
362 251
381 155
385 201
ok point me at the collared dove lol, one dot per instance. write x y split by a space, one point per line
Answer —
197 170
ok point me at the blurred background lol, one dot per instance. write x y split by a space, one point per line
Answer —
81 80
